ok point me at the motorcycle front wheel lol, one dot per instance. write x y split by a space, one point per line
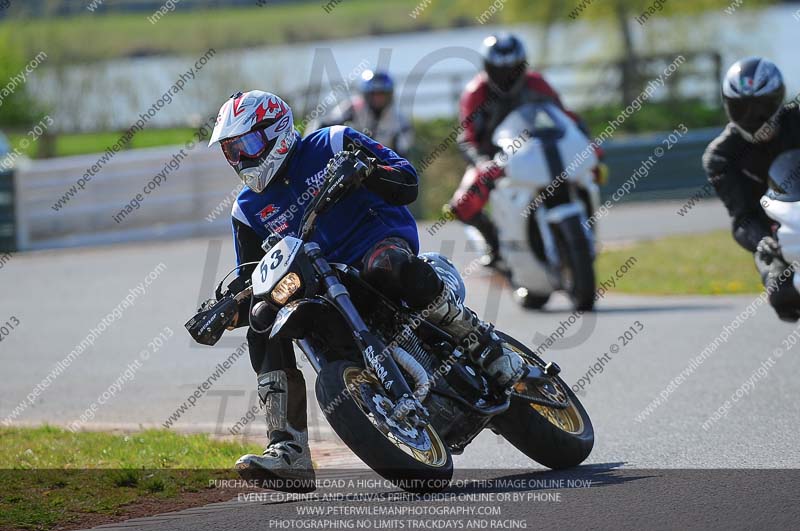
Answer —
530 301
555 438
415 459
577 272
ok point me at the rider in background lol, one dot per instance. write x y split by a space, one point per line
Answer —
503 85
737 164
374 113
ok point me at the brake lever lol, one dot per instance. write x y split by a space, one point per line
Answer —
236 285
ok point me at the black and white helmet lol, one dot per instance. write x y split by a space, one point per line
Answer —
753 93
505 62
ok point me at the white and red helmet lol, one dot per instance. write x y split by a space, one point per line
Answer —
256 132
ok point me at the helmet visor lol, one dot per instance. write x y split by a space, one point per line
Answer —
751 113
505 77
251 145
378 100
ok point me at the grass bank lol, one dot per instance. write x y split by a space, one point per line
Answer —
67 144
76 38
56 478
695 264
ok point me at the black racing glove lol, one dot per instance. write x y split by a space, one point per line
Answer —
777 276
352 166
218 314
768 250
369 163
346 170
211 320
773 266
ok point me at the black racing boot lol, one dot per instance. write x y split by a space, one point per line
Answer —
286 462
490 235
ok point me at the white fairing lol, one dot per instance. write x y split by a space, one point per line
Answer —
274 265
788 215
526 162
527 175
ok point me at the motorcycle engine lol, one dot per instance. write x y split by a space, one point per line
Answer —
454 422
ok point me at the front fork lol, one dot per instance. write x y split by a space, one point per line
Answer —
376 354
548 218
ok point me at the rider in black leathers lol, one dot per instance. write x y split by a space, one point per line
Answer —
737 162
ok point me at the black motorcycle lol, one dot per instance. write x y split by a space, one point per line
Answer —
396 388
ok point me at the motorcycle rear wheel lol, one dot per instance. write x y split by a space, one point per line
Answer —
348 403
555 438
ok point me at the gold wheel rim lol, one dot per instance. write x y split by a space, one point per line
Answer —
435 456
568 419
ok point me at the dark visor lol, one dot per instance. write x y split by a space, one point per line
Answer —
751 113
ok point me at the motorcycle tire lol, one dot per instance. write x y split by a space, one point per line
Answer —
577 257
551 437
343 402
530 301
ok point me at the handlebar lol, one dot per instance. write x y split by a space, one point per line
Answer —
344 171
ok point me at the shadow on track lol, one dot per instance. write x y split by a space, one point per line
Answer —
596 475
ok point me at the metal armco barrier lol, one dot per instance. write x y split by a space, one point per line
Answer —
203 181
8 236
177 208
676 175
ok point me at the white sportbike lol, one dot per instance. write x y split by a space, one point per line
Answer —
542 205
782 204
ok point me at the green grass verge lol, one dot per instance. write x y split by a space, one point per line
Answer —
657 116
440 178
49 447
103 36
55 477
82 143
699 264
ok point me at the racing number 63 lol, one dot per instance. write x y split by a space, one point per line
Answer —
277 259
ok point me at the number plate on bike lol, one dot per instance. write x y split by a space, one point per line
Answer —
275 265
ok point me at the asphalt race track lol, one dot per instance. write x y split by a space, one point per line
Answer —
59 296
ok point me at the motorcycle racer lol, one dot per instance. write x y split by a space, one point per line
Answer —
737 164
373 113
503 85
369 228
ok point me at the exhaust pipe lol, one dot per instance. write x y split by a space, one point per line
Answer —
422 384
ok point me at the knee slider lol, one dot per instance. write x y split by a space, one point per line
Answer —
384 267
421 282
261 316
